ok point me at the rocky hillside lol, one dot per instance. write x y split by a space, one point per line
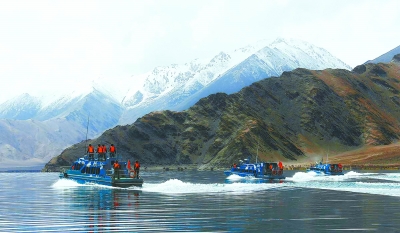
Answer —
299 115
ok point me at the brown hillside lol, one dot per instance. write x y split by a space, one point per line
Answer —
293 118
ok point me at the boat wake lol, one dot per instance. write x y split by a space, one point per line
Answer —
71 184
175 186
235 177
312 176
370 183
65 184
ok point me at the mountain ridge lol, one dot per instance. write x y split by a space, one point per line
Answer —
175 87
386 57
297 116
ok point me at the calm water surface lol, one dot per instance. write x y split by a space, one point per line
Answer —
193 201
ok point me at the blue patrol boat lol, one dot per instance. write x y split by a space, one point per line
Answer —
326 169
264 170
99 170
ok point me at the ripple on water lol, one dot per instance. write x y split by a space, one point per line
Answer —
201 202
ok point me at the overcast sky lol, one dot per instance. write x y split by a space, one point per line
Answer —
57 44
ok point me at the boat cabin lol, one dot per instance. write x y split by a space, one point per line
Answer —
261 169
99 166
327 168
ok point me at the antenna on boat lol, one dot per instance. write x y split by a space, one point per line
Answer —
257 152
87 130
327 161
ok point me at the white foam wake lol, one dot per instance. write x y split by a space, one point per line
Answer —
65 183
175 186
312 176
351 182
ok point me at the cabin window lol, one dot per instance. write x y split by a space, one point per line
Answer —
77 166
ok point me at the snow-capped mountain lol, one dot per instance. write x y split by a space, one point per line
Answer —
54 127
22 107
39 128
386 57
226 72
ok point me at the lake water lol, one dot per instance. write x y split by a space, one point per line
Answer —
194 201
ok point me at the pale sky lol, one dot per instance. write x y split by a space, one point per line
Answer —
52 45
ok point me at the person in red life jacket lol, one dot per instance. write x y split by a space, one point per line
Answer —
104 152
116 167
128 165
112 151
280 165
90 152
234 166
130 170
137 168
99 151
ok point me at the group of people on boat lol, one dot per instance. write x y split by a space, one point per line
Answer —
280 166
136 169
101 151
271 167
336 167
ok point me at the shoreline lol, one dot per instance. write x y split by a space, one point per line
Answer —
302 167
298 167
203 167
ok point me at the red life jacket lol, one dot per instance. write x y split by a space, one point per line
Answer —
112 149
100 149
90 149
104 149
116 165
129 165
137 165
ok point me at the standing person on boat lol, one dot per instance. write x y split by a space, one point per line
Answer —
280 165
90 151
137 168
99 151
116 168
112 151
104 152
129 167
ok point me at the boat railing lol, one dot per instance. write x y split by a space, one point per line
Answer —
109 172
101 157
122 173
275 170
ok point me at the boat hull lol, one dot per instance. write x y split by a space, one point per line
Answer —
326 169
123 182
321 173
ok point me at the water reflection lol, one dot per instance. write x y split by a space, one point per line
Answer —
95 208
201 202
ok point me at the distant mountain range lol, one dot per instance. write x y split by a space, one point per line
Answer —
386 57
301 115
35 129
